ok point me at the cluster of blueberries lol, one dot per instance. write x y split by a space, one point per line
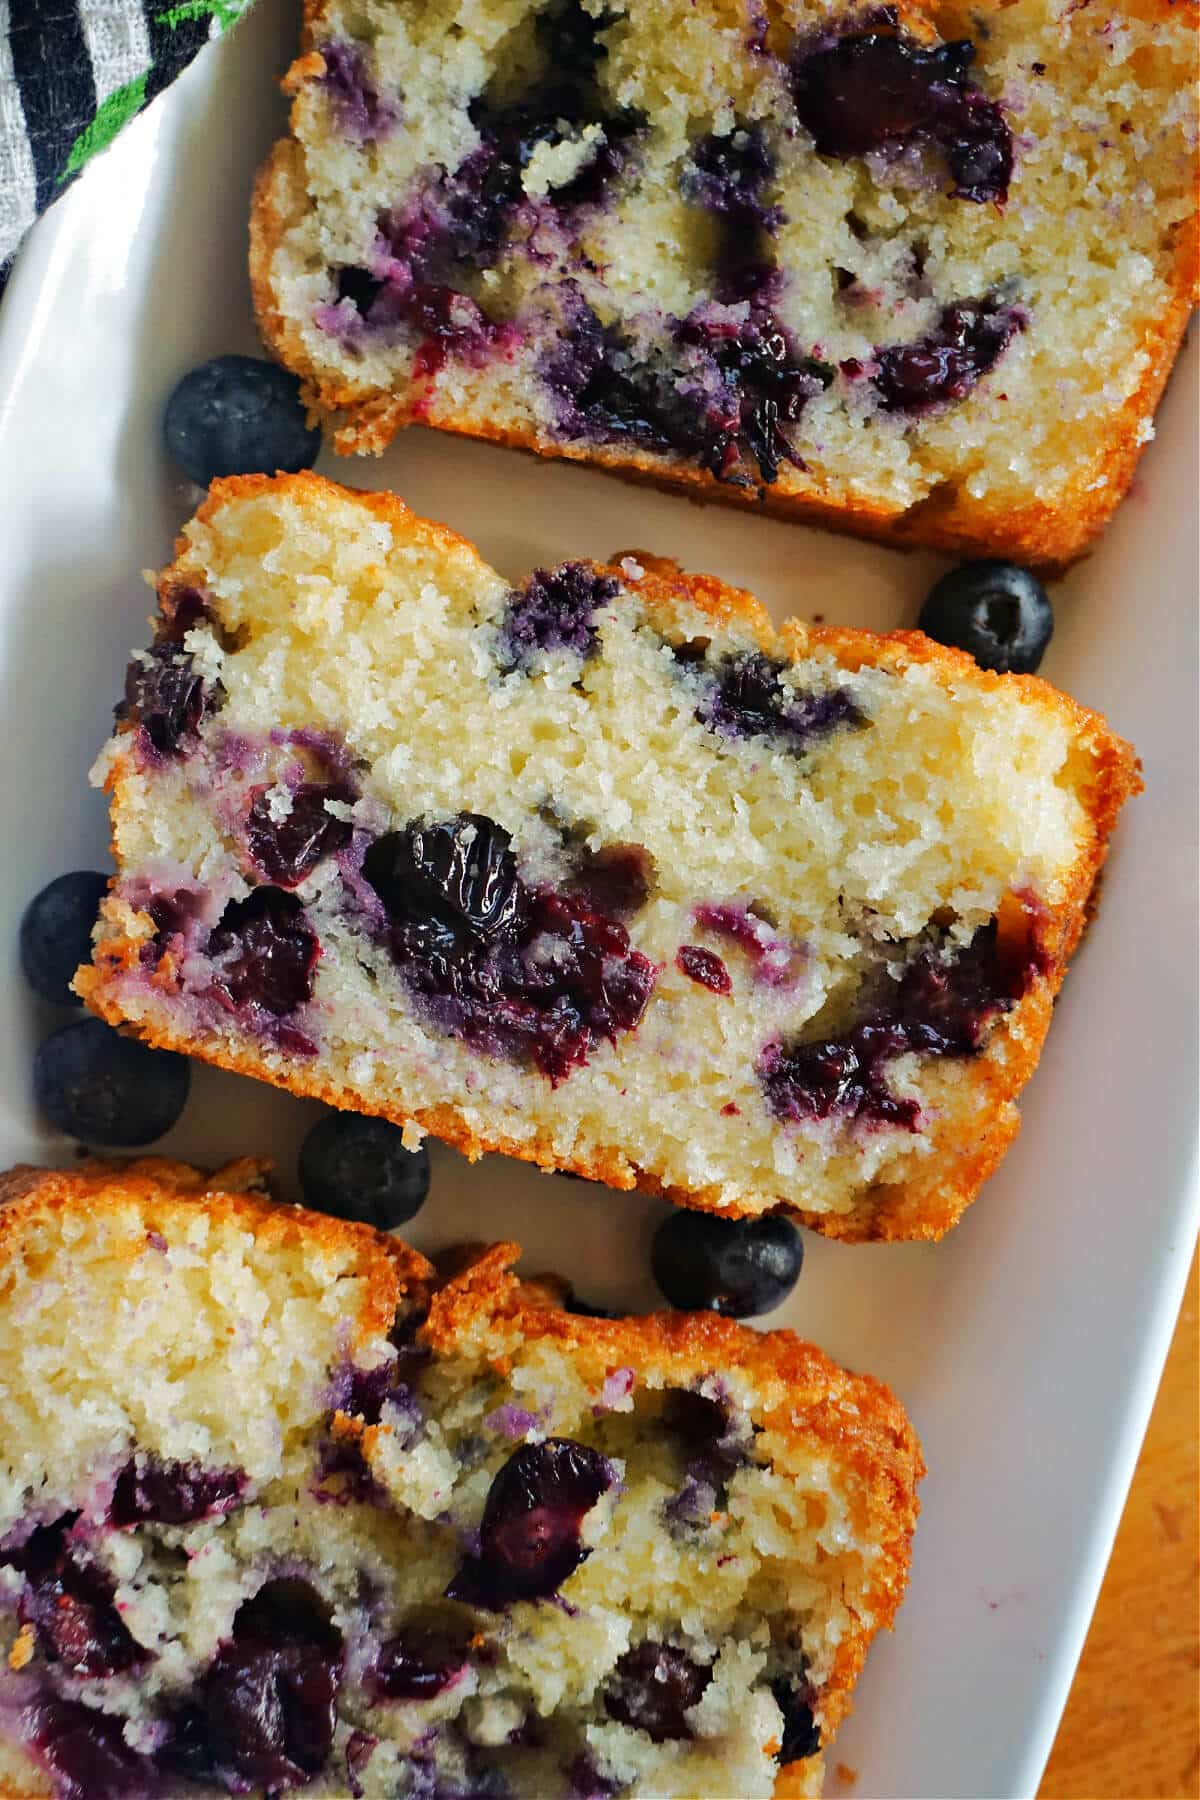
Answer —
94 1084
240 415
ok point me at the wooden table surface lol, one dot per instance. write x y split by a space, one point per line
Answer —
1131 1730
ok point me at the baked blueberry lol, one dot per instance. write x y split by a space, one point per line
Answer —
56 933
358 1168
419 1663
801 1733
84 1751
652 1687
68 1602
999 613
265 952
103 1088
269 1697
238 415
737 1267
529 1538
173 1493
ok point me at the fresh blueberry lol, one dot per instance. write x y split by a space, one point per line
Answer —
238 415
737 1267
358 1168
103 1088
998 612
56 933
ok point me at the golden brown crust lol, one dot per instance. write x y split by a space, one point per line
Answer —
484 1310
967 1145
155 1194
800 1394
1047 533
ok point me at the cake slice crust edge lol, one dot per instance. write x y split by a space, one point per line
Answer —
968 1142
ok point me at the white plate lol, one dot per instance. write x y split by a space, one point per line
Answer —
1027 1345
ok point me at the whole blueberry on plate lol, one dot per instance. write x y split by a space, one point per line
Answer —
239 415
358 1168
999 613
56 933
103 1088
737 1267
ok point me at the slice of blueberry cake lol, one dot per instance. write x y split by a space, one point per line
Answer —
597 870
280 1509
915 270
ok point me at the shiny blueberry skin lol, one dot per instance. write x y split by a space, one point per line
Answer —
999 613
56 933
357 1168
736 1267
238 415
529 1538
103 1088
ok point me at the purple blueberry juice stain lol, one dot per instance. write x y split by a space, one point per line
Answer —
729 175
586 1782
453 224
692 1505
529 1536
181 609
942 1005
882 91
716 1439
744 695
618 1385
616 879
776 962
366 1395
555 610
150 1490
528 975
720 391
68 1599
362 112
652 1688
513 1421
970 338
363 1393
360 1747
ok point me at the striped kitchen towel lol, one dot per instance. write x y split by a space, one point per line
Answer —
72 73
